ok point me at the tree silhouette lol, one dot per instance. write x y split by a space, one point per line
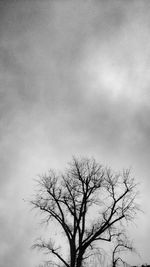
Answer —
88 201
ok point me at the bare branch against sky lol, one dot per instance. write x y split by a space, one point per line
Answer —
90 203
74 80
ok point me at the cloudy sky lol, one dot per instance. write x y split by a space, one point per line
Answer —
74 80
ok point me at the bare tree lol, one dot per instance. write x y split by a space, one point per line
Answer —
121 246
88 201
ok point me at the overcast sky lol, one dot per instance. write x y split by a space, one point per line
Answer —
74 80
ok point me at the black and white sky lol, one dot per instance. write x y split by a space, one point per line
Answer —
74 80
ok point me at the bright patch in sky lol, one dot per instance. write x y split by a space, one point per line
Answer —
116 72
106 75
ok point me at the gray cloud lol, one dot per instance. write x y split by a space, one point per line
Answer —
74 79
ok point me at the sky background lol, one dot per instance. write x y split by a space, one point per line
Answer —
74 80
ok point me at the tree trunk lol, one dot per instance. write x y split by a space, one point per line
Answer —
72 256
72 264
79 263
79 260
